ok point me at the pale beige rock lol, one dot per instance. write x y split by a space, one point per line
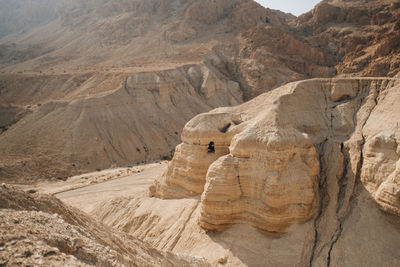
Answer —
266 165
193 157
346 223
381 166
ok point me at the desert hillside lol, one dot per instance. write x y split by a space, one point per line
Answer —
86 85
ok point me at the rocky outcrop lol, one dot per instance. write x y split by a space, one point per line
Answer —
41 230
205 139
362 36
275 159
380 172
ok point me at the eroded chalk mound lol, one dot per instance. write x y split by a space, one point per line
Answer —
288 155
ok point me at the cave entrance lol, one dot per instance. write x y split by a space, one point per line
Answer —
211 148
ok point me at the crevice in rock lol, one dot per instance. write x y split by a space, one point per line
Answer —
225 128
337 236
343 182
240 186
348 179
346 182
321 190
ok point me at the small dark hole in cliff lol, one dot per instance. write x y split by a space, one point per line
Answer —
211 148
225 128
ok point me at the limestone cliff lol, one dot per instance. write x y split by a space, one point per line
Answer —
311 164
290 155
380 171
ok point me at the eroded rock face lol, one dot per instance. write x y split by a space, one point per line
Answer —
278 158
270 187
185 176
381 167
368 48
381 170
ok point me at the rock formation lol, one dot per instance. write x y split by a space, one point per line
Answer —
363 36
336 174
277 155
380 171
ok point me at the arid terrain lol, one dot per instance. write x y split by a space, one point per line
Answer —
87 85
199 133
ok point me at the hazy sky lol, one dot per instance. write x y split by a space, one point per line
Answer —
290 6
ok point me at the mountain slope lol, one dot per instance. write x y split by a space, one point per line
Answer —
96 83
